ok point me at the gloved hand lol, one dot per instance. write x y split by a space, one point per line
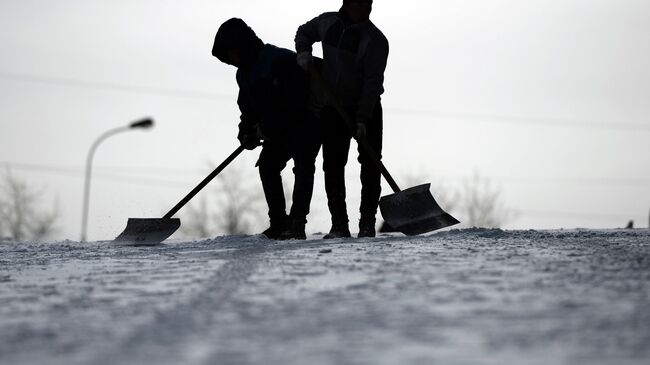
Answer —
249 139
304 60
359 131
250 142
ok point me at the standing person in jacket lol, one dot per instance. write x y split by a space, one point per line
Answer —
272 99
355 54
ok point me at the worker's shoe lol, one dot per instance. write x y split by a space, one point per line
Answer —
278 226
295 231
338 231
293 234
366 228
273 232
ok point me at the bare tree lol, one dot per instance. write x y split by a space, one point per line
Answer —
236 207
197 220
21 216
476 202
480 203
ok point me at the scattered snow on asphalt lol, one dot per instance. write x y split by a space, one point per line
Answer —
472 296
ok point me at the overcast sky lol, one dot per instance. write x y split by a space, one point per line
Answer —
546 98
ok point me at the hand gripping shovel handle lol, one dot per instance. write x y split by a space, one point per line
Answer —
203 183
348 120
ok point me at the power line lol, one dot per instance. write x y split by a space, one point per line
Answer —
549 213
78 172
116 87
176 171
204 95
158 170
145 181
494 118
564 180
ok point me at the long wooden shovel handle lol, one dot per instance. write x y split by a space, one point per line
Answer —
205 182
333 99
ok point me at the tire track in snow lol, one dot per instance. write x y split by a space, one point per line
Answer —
171 331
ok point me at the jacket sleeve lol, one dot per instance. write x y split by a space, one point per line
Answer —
375 62
248 118
308 34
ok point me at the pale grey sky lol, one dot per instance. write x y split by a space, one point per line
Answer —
548 98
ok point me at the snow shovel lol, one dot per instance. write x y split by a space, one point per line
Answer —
412 211
152 231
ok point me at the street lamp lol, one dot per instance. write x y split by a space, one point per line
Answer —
144 123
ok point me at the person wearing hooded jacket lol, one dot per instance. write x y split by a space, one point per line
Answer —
355 54
273 100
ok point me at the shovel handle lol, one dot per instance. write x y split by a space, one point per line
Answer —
348 120
205 182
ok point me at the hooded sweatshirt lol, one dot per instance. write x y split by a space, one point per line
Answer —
272 88
354 55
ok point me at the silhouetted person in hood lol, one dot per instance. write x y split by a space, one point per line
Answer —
272 99
355 54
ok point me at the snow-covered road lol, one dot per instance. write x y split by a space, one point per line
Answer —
459 297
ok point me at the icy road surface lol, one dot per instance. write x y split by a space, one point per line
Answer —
458 297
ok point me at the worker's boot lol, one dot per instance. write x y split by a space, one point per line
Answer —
338 230
366 227
278 226
295 230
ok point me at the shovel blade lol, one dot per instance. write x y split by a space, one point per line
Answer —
414 211
147 231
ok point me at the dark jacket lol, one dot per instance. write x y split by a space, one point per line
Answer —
272 88
355 57
272 93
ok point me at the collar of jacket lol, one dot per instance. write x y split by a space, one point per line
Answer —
251 55
261 65
346 19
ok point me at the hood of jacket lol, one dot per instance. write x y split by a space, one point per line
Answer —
235 34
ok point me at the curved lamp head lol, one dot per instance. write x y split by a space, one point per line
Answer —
142 123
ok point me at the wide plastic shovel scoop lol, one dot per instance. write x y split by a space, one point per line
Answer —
152 231
412 211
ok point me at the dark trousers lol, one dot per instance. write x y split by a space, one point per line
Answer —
301 144
336 147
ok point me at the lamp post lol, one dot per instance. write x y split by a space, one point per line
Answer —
139 124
